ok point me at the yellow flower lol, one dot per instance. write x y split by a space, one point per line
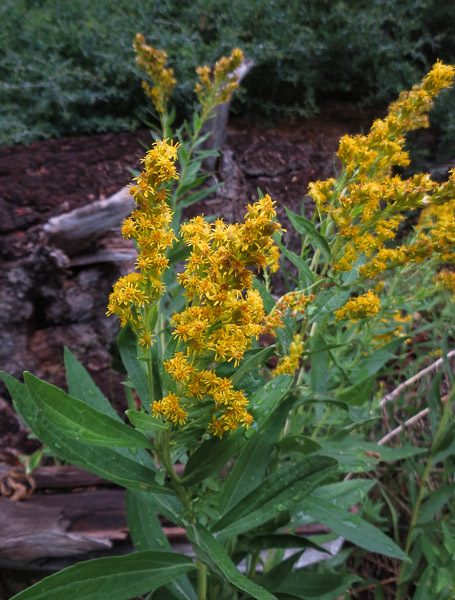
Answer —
149 226
216 86
289 364
368 202
153 62
446 280
361 307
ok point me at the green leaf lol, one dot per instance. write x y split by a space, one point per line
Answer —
147 534
304 270
307 228
277 540
298 443
178 253
351 527
82 387
374 362
157 368
144 421
211 456
357 456
79 421
257 357
252 462
264 401
196 196
210 552
113 578
436 501
344 494
425 589
127 345
277 574
321 586
110 463
356 395
279 492
319 366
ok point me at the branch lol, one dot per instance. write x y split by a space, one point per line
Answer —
397 391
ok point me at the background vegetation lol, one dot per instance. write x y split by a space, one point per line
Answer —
68 67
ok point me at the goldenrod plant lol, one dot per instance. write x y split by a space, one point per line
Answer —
242 451
214 87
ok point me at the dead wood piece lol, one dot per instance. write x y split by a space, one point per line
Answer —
55 477
65 476
76 230
61 524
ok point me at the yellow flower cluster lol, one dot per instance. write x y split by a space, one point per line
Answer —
223 315
361 307
216 86
149 226
296 302
446 280
290 363
367 203
394 325
437 223
153 62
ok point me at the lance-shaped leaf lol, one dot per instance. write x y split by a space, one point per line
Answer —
114 578
256 357
111 463
279 492
79 421
350 526
252 462
127 345
144 421
210 552
147 534
304 270
307 228
82 386
210 458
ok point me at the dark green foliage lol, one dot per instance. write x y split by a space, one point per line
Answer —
68 67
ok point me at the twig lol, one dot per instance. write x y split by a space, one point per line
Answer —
400 428
397 391
370 586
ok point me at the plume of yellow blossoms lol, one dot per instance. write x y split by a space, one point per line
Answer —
446 280
216 85
367 202
149 226
394 325
153 62
361 307
289 364
223 315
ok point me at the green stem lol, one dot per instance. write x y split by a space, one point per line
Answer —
253 564
321 423
166 460
201 580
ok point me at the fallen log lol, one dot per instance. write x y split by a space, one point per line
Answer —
74 231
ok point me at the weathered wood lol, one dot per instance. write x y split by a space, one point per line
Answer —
76 230
50 525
